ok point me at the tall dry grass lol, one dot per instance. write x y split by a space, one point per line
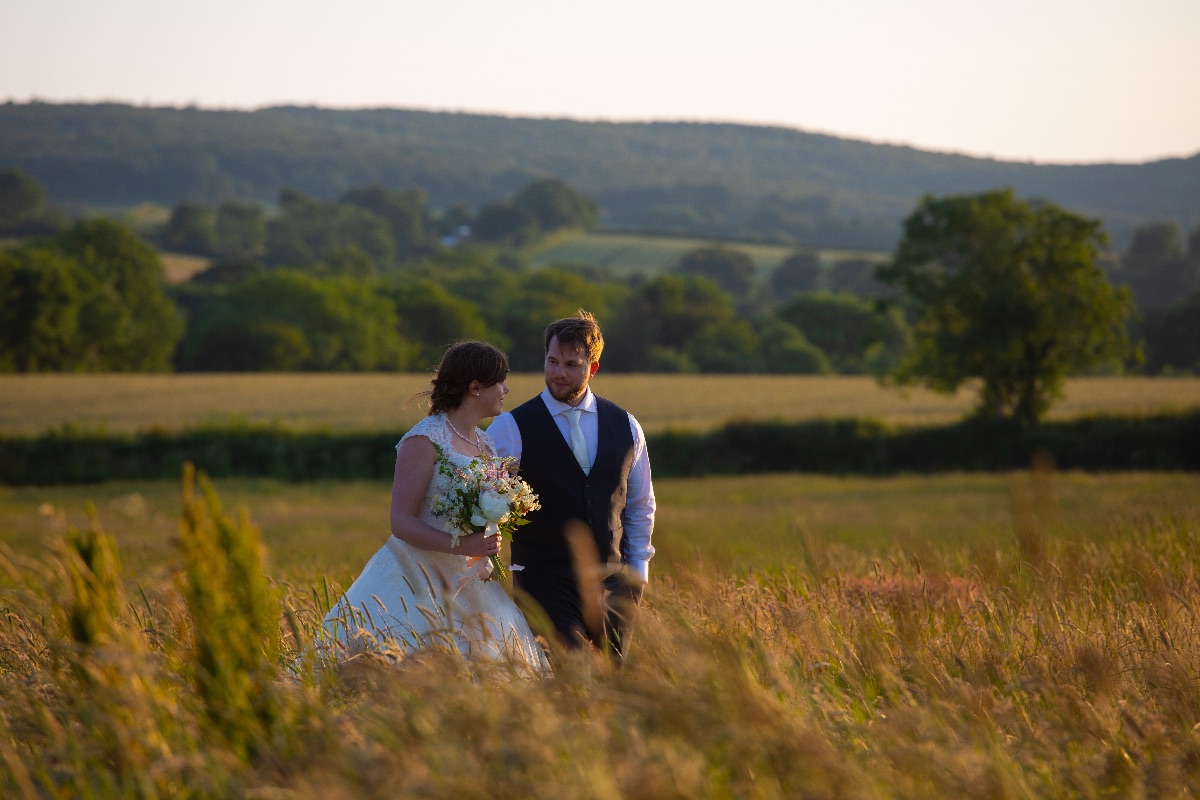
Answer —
1053 662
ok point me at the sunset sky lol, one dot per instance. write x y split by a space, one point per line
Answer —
1044 80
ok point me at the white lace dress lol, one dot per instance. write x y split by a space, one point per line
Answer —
410 599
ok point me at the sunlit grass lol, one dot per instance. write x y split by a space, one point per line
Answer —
372 402
1017 635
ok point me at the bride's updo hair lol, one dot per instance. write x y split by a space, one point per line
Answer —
463 363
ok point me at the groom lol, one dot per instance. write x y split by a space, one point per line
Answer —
584 556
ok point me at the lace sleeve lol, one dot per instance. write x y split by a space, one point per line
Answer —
432 428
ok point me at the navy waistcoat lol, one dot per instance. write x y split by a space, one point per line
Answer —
565 492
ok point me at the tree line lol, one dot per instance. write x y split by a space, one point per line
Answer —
982 286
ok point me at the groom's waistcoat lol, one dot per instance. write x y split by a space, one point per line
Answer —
565 492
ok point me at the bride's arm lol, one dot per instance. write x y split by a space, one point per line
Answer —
416 459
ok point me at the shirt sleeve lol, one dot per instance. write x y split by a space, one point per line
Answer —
506 436
638 516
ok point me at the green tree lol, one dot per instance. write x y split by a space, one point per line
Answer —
405 212
334 238
91 299
505 224
856 276
21 197
1173 337
23 209
556 206
730 269
728 346
192 228
292 238
256 345
536 299
786 350
854 333
656 323
42 298
431 318
799 272
240 230
1011 295
131 314
1156 267
284 319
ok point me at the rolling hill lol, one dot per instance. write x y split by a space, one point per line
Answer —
717 180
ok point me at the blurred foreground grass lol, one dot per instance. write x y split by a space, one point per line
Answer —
1020 635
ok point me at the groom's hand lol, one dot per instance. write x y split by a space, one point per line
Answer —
630 592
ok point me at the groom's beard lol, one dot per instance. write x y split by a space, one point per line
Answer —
568 393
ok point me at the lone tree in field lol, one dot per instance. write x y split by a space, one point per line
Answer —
1011 295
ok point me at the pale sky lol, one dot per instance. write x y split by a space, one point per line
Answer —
1062 81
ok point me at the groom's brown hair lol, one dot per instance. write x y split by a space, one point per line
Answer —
580 331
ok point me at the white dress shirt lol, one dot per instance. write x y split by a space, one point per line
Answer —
638 516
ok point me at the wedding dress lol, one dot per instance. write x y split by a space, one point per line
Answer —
410 599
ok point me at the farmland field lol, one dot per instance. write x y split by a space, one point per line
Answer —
32 404
632 254
180 267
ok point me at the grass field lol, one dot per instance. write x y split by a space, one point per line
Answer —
632 254
1005 636
374 402
755 522
180 267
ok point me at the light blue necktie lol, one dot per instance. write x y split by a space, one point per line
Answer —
578 445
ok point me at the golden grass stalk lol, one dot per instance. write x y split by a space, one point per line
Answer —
880 673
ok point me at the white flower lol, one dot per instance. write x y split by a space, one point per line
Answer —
493 505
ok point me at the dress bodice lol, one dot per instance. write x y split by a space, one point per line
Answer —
435 429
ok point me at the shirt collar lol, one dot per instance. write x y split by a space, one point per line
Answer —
556 407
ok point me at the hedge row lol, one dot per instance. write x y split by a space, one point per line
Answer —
1164 442
64 457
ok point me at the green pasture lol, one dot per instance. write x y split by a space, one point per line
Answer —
35 403
632 254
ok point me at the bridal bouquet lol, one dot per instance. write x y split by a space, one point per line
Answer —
486 496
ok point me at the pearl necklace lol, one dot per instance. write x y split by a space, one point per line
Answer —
474 444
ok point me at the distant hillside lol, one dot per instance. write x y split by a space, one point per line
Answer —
717 180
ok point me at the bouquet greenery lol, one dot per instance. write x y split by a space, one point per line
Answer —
486 496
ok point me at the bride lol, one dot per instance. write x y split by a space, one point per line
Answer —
421 590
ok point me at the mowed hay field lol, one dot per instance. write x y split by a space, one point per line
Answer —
33 404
